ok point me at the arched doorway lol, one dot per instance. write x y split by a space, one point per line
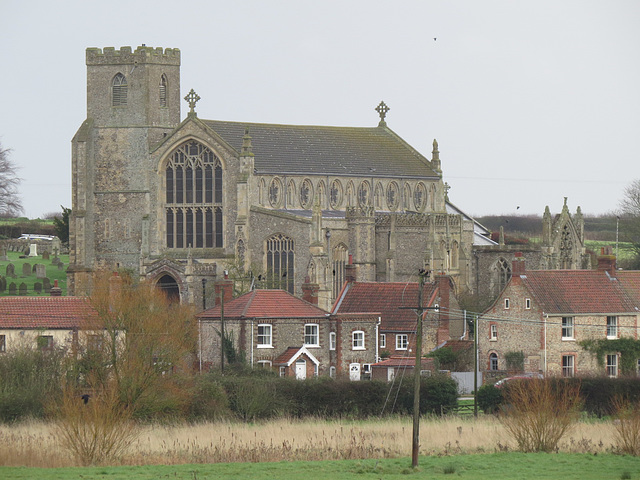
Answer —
169 286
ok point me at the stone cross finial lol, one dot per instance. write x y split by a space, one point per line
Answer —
192 98
382 110
447 187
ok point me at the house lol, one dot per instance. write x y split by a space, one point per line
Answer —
397 366
272 328
46 323
541 316
396 303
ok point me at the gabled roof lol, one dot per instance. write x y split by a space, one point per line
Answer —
300 149
291 354
578 292
386 298
630 281
265 304
45 312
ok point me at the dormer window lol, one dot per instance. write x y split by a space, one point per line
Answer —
119 91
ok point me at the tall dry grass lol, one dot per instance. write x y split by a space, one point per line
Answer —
627 425
33 444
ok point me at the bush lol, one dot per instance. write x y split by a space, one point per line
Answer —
627 426
489 398
538 413
438 395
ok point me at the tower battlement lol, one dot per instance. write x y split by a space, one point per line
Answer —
125 55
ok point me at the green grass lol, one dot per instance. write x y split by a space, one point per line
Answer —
493 466
52 272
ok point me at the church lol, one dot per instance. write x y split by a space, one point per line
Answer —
182 203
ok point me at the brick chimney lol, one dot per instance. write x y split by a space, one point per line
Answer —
55 291
607 261
310 291
350 270
223 288
517 266
444 291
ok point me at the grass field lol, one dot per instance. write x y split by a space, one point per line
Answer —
52 272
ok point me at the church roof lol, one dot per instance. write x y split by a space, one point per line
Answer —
313 150
389 299
265 304
45 312
578 292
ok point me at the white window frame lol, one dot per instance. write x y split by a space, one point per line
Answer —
283 371
357 340
332 340
527 304
383 340
402 341
612 326
332 371
493 332
265 364
265 336
568 328
612 365
3 343
311 335
568 366
507 304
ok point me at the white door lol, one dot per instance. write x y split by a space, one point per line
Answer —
301 370
391 374
354 371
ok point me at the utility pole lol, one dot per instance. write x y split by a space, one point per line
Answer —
222 336
475 365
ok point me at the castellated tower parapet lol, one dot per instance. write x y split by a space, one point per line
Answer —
134 88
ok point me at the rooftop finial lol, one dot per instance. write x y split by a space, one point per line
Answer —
382 110
192 98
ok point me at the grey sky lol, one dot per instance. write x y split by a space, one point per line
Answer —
530 101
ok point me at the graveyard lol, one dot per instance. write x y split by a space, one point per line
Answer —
32 273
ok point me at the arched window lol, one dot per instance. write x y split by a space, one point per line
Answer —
322 194
393 196
291 194
420 199
454 254
378 195
119 90
364 194
193 197
340 258
279 251
350 195
493 361
306 194
262 186
275 192
163 90
168 285
502 273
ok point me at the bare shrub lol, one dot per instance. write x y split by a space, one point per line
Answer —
94 428
538 413
627 425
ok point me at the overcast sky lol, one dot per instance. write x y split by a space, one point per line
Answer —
530 101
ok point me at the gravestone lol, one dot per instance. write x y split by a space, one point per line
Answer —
56 246
60 266
11 271
26 269
45 255
3 284
22 290
3 255
46 285
33 269
33 250
41 270
13 289
37 287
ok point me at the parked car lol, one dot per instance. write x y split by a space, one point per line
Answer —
526 376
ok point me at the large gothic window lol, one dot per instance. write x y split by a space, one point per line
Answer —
193 197
502 273
340 259
119 90
280 256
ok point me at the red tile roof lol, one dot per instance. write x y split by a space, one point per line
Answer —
630 281
578 291
265 304
45 312
386 299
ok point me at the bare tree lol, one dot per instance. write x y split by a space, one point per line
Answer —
10 202
630 219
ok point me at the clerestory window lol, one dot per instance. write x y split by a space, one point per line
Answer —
193 195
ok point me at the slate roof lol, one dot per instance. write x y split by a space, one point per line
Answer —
265 304
300 149
45 312
578 292
385 298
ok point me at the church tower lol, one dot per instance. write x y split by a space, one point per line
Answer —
133 102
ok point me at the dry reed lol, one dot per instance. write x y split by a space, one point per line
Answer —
32 444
